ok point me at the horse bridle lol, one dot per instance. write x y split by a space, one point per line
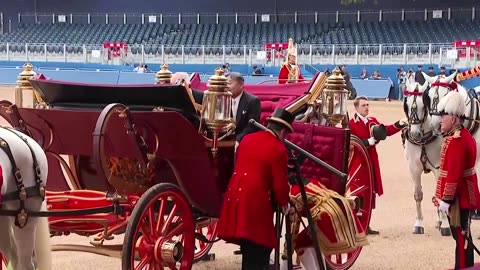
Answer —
413 118
432 106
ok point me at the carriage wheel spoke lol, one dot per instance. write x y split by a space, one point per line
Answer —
175 231
151 220
358 190
169 219
161 213
353 176
147 234
143 263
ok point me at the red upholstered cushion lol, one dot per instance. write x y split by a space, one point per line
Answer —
268 104
326 143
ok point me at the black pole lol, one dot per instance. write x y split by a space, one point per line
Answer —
302 152
278 226
288 239
306 209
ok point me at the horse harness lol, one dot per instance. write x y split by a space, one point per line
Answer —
473 102
414 119
22 192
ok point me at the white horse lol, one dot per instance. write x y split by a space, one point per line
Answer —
422 149
440 86
24 242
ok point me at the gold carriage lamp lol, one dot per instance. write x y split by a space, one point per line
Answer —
334 99
217 108
163 75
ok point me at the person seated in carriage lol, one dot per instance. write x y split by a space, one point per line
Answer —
245 106
259 178
290 71
371 132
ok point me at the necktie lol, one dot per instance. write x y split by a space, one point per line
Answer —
234 109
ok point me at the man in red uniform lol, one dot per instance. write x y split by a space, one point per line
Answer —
290 71
457 188
363 126
260 176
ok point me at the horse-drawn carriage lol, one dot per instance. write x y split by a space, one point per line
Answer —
140 160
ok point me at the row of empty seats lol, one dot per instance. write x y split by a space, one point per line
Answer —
172 36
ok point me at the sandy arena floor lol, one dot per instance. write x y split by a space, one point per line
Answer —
395 248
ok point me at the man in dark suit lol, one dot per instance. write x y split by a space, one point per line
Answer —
419 76
245 106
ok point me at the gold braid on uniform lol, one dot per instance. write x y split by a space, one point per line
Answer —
292 73
338 208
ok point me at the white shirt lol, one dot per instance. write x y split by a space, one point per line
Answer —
364 119
235 102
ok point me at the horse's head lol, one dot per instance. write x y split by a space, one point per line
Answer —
439 88
415 106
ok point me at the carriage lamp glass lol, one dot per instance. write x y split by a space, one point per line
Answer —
217 102
334 99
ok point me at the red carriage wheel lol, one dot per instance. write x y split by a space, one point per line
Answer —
202 248
359 187
160 231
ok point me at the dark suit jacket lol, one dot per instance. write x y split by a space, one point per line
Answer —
419 77
248 108
197 96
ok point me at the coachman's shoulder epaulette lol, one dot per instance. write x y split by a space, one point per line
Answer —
456 134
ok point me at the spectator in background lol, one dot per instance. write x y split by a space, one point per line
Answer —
364 74
431 72
443 72
376 75
256 71
226 69
327 72
411 76
348 83
419 75
402 80
140 68
147 70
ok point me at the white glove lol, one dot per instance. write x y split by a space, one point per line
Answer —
371 141
444 207
403 122
287 209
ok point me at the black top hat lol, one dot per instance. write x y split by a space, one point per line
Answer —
283 117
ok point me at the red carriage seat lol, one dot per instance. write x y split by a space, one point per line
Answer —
329 144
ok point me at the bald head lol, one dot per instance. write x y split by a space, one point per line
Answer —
180 76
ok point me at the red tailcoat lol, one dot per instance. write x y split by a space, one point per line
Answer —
260 169
363 131
283 75
457 177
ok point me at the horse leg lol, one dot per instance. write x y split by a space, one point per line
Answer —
7 244
43 256
24 238
418 196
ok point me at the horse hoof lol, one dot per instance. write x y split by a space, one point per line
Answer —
445 231
418 230
438 225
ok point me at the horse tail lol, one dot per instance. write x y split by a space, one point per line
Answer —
42 242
